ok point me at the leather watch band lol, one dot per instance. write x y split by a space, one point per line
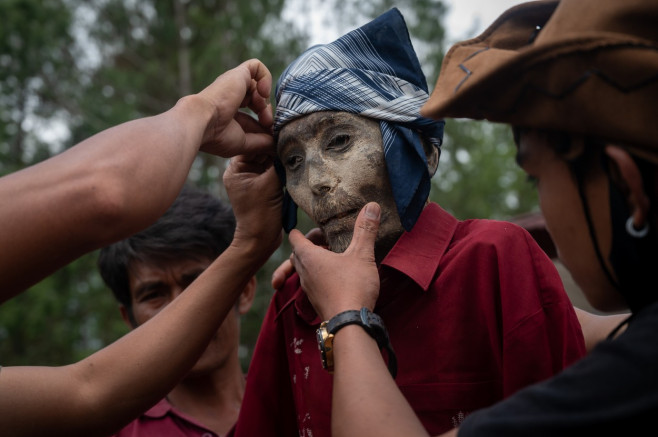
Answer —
369 321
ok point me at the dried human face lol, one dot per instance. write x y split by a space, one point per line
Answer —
334 165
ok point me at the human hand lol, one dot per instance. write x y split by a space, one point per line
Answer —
336 282
231 132
286 269
256 197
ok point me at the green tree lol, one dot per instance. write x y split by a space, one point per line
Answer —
58 320
117 60
36 53
38 76
154 52
477 176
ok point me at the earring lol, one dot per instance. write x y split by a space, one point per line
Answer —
637 233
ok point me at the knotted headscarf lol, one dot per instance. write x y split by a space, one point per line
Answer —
374 72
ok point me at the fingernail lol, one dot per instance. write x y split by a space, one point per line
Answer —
372 210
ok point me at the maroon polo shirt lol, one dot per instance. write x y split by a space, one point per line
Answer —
163 420
475 311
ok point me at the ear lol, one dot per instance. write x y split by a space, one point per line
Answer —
432 153
127 316
247 296
630 174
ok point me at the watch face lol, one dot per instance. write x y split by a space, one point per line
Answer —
325 343
320 334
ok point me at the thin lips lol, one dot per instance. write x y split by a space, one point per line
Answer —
338 216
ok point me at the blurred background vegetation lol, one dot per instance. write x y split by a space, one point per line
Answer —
70 68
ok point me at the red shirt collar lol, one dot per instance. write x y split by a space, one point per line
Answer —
160 409
431 234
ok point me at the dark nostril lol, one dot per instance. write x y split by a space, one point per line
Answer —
322 189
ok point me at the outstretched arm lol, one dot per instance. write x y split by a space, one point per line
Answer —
366 401
102 393
122 179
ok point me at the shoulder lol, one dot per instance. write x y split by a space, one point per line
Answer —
506 250
494 229
494 234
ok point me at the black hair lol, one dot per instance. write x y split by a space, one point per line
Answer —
196 225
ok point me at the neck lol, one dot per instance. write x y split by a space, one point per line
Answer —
213 398
384 244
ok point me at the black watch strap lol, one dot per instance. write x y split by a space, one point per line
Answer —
372 324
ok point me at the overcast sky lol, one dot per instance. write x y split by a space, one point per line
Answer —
467 18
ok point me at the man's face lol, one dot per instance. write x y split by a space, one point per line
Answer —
334 165
154 285
561 206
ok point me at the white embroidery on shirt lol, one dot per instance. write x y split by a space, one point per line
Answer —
458 419
306 371
306 432
296 345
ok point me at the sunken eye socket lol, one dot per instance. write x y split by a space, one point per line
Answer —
339 142
292 162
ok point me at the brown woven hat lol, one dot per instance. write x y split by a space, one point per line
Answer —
580 66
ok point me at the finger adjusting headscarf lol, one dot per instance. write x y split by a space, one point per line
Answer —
372 71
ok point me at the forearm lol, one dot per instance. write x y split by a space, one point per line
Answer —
168 345
104 392
145 162
596 328
366 401
103 189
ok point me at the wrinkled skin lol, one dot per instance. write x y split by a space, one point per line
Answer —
334 165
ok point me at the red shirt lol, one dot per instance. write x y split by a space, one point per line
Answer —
475 311
163 420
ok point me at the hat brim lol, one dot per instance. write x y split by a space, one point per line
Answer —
573 82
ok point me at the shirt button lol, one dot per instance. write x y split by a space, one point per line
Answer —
207 434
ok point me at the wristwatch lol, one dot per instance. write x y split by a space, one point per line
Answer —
371 322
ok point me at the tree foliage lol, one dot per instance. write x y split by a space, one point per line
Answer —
477 175
36 49
95 64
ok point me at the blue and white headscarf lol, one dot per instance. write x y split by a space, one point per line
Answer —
372 71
